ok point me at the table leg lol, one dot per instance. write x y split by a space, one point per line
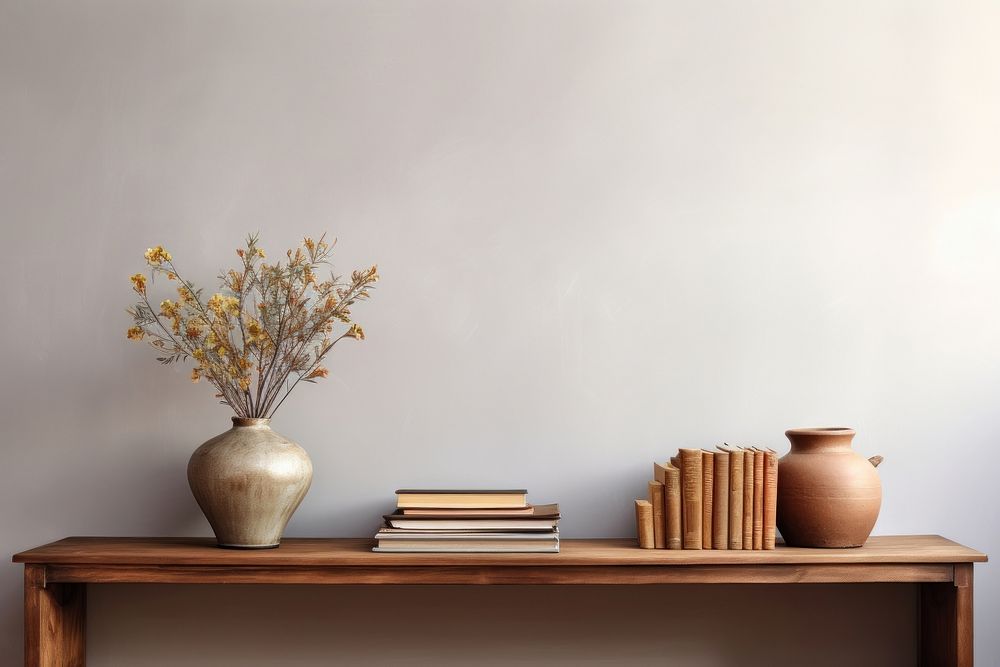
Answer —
54 621
946 621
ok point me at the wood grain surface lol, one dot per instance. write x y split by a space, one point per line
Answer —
336 552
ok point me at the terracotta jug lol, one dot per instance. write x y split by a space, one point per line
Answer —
828 494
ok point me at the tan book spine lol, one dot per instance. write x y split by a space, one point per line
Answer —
770 497
644 523
659 519
660 472
707 487
673 502
747 499
735 498
691 498
720 518
758 499
675 461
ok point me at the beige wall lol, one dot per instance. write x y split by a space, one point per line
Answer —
606 229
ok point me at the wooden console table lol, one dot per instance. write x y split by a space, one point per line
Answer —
56 576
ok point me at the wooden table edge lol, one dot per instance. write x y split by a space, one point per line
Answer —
573 554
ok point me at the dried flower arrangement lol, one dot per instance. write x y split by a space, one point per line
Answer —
267 330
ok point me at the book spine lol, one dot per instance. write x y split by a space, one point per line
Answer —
747 499
644 524
659 525
707 486
770 496
691 496
758 499
720 519
675 461
672 495
735 499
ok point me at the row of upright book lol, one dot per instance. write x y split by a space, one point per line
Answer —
700 499
468 521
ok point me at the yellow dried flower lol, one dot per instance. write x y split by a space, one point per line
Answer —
169 309
260 253
195 374
135 333
253 331
356 332
192 330
309 243
220 304
139 283
184 295
157 256
318 372
198 353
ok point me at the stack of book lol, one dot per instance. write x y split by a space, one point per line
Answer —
468 521
726 499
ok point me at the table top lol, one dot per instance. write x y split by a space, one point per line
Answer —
341 552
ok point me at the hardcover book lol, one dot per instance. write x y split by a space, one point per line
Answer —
770 497
659 520
758 499
463 498
720 521
672 496
644 524
418 541
707 491
691 498
747 498
545 517
735 498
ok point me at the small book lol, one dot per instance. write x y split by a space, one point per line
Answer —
414 542
660 472
758 499
546 517
691 498
707 490
470 549
644 524
464 498
720 520
659 520
770 496
735 497
747 498
672 497
468 511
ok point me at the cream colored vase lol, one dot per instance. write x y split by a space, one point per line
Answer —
248 481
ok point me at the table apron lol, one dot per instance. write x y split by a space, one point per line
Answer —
500 574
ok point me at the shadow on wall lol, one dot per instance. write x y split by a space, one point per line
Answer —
226 626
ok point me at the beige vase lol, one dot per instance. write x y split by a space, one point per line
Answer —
248 481
828 494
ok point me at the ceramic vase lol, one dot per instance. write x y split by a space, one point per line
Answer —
828 494
248 481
